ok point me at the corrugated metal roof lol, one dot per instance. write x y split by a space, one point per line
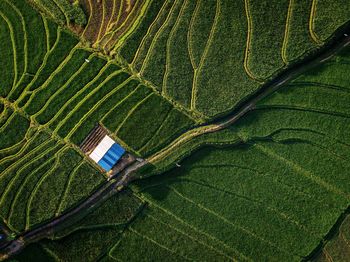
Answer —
107 153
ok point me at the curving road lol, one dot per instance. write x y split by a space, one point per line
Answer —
119 181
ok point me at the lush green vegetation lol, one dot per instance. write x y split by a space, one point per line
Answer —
156 74
337 248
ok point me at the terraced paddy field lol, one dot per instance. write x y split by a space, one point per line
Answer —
235 114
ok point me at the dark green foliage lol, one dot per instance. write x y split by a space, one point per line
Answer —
13 177
7 58
83 245
13 131
81 183
48 192
33 253
148 38
57 55
117 211
52 33
115 117
268 20
298 38
60 98
151 113
329 16
132 43
168 238
37 139
41 96
82 89
36 37
222 81
16 23
51 7
116 96
154 67
200 27
17 217
90 102
179 74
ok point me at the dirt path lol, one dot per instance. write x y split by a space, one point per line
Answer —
115 185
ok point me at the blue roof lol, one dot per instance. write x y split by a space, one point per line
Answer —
111 157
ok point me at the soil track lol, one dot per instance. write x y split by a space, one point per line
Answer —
119 181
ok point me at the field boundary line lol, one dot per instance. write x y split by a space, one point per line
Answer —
57 156
96 77
24 148
97 105
20 189
156 37
103 19
168 53
62 88
26 90
149 29
156 132
19 171
53 74
189 34
213 238
120 102
89 19
14 49
25 47
132 111
158 244
248 44
286 32
67 186
85 98
224 219
313 35
307 174
189 236
264 206
204 55
116 30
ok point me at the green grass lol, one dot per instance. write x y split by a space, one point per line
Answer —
132 43
47 195
56 56
201 24
298 39
329 16
263 57
36 36
148 38
7 57
76 83
13 131
89 103
40 96
153 68
115 117
144 112
229 87
178 77
18 34
120 91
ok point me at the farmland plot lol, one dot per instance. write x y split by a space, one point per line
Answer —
53 93
149 71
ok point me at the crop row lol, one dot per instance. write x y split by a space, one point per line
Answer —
72 90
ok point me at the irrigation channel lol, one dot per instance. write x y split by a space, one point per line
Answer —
119 181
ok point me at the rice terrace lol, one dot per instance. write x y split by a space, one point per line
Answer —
174 130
